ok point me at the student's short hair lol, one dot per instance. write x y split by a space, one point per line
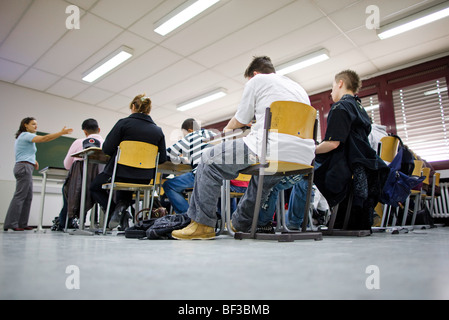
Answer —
90 125
190 124
351 80
141 103
261 64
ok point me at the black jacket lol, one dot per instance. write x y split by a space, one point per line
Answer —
348 123
136 127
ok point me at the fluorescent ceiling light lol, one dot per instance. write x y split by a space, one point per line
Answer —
109 63
181 15
203 99
303 62
414 21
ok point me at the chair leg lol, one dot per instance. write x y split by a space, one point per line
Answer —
108 209
307 206
257 206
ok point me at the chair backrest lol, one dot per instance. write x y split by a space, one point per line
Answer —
293 118
436 178
243 177
426 173
418 168
388 148
138 154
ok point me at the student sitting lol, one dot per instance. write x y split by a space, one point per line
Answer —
188 149
345 159
137 127
72 186
226 160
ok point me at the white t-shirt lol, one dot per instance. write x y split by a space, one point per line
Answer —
259 93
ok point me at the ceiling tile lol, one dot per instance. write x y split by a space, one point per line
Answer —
93 95
37 79
138 69
84 4
145 26
67 88
116 102
170 76
78 45
10 14
11 71
123 13
36 33
243 13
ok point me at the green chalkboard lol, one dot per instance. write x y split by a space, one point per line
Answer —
52 154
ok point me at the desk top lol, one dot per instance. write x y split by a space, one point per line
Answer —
54 173
235 134
93 153
172 168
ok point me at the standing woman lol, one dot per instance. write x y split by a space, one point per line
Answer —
25 149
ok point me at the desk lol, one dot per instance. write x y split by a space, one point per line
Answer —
52 173
93 155
231 135
172 168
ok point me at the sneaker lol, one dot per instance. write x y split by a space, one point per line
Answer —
194 231
117 215
268 228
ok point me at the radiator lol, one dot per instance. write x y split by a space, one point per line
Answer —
441 204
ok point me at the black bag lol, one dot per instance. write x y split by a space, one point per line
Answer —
138 231
163 227
157 228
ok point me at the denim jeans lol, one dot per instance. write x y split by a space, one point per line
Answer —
297 201
174 188
269 206
221 162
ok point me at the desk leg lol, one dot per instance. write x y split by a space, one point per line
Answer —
41 215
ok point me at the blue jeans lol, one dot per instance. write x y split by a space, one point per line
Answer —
297 201
233 204
174 190
267 210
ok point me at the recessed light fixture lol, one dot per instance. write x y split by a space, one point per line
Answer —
414 21
107 64
303 62
181 15
203 99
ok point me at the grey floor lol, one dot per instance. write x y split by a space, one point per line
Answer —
34 265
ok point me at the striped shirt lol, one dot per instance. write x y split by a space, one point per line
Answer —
190 147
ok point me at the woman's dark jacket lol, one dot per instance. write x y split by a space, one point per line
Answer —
136 127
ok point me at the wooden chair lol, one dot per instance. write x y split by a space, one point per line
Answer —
388 148
134 154
299 120
387 151
416 194
433 196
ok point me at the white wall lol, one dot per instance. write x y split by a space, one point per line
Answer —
52 114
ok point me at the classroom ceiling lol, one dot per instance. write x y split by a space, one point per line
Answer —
211 51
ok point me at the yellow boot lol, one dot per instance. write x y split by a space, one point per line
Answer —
194 231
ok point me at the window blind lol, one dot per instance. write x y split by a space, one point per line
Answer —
371 105
422 118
